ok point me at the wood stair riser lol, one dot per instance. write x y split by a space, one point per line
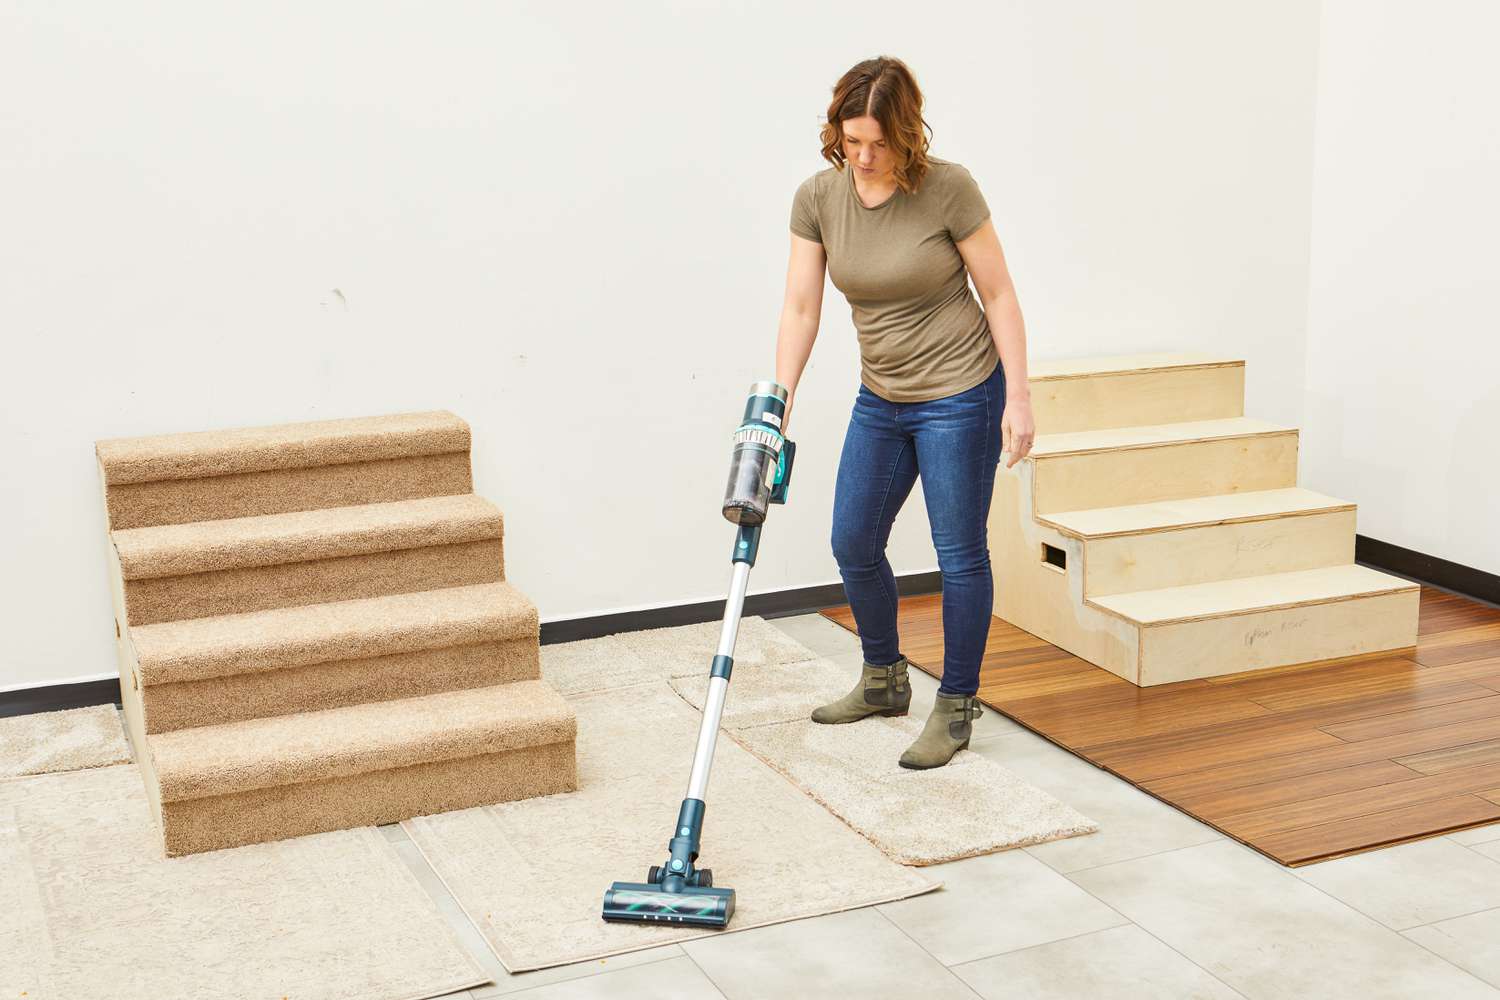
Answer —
1153 559
279 491
1232 643
257 588
1110 478
233 698
370 798
1127 399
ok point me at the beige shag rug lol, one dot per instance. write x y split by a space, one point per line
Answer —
69 740
970 806
91 909
531 875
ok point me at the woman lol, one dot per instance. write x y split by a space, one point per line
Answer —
943 381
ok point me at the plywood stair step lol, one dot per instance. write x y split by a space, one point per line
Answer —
207 671
265 779
1269 620
1125 390
1190 540
1170 605
214 567
1131 465
1052 445
1192 512
1158 532
208 475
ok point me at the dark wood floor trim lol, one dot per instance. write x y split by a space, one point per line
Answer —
1451 576
777 604
56 697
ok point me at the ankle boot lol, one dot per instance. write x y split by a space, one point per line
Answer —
879 690
946 733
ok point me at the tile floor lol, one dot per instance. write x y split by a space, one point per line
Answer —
1154 905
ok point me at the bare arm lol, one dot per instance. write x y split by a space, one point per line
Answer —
800 313
986 263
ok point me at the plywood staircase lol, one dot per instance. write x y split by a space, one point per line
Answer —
1156 531
315 631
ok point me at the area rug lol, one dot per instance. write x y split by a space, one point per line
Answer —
91 909
970 806
531 875
69 740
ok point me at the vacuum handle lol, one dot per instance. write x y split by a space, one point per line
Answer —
783 471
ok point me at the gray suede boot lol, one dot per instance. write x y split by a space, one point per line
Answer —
946 733
879 691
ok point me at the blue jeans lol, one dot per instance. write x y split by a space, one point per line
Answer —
954 443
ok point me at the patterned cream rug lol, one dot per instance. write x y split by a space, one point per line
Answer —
91 909
531 875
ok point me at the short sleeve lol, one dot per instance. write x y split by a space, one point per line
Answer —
964 207
805 211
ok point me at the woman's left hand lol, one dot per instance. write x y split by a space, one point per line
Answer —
1017 429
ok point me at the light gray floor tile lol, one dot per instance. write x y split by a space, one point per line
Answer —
1411 884
1471 942
1267 933
854 954
1122 963
393 832
1490 849
1132 824
1476 834
506 984
818 634
673 979
997 903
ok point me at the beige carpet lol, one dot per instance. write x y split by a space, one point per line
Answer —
531 875
971 806
91 910
69 740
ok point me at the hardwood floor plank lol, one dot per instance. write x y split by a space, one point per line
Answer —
1476 642
1434 761
1276 760
1248 798
1351 804
1393 826
1422 718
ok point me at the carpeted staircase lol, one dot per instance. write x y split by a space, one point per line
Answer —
315 631
1156 531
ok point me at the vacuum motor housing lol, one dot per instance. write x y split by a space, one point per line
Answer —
761 466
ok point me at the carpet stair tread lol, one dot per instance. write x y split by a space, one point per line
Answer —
300 536
200 648
1187 512
315 746
1250 594
300 445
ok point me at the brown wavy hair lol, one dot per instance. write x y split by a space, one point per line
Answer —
885 89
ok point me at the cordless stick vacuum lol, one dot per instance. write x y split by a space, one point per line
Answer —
761 470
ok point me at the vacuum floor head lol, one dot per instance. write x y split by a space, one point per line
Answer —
649 903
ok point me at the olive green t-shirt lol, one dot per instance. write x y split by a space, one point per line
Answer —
922 333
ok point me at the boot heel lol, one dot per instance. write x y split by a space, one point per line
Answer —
892 713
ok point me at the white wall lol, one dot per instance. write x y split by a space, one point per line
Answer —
1403 358
569 225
